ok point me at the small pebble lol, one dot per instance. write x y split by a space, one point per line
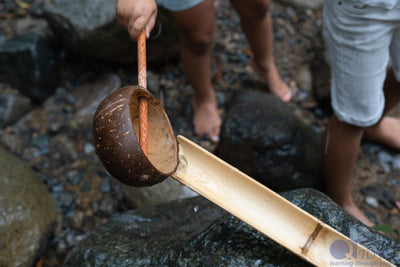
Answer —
105 186
396 162
76 220
371 201
88 148
385 159
395 211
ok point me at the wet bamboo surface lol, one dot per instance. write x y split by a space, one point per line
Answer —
265 210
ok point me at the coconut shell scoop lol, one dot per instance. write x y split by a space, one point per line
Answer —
132 134
116 131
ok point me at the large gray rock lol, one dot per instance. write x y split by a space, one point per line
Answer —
164 192
176 234
27 213
88 28
157 233
30 65
262 137
323 208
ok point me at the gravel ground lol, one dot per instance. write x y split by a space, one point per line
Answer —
61 150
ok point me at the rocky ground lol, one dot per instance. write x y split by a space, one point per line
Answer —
59 147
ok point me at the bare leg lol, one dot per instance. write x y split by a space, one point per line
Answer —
387 130
342 143
341 148
196 30
256 24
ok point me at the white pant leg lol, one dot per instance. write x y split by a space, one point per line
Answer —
358 38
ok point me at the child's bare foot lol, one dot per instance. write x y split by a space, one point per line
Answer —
274 82
386 132
354 211
206 119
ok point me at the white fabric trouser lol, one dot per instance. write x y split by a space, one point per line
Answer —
361 41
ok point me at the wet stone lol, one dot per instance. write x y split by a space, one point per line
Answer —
373 202
396 162
28 213
41 142
76 220
88 148
276 147
380 193
86 187
195 232
64 200
12 140
105 186
30 65
107 206
13 105
89 29
370 148
74 177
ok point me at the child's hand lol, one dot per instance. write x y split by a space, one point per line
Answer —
136 15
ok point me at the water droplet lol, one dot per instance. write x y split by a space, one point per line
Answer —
182 163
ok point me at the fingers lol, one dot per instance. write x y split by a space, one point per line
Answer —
120 11
136 15
151 23
135 27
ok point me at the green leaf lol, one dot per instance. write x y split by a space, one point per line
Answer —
383 228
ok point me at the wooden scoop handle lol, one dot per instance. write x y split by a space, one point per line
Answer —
142 79
141 46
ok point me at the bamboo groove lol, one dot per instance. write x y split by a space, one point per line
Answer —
266 211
